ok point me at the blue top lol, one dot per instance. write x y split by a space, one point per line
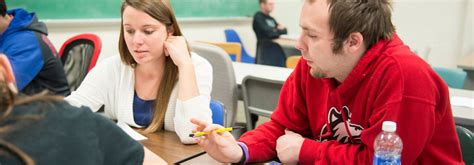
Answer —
26 58
34 59
142 110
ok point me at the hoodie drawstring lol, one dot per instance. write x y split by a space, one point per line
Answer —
344 119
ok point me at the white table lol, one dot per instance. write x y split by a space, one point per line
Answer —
288 43
265 71
462 115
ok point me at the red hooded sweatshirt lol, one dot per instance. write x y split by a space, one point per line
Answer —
341 120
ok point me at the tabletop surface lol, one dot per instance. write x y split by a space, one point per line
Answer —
166 144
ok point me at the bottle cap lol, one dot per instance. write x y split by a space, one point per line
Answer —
389 126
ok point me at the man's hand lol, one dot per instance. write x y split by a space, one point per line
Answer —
220 146
280 27
288 147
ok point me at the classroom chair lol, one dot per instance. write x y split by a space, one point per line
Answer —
218 112
453 77
224 86
270 53
292 61
260 97
233 49
232 36
466 139
79 55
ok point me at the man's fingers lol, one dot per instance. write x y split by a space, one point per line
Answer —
200 125
198 122
212 127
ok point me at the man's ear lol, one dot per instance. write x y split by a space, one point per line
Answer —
355 42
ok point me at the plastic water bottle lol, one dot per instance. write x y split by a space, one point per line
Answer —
388 145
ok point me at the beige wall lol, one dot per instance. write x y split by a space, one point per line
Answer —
441 31
108 31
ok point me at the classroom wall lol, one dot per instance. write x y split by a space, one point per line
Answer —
108 30
436 31
441 31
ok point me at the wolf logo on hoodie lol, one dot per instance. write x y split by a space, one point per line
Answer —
338 120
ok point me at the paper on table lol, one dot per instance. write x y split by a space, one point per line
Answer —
462 101
132 133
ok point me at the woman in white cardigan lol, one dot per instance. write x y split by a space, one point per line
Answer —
156 83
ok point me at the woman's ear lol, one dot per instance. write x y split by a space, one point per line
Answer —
170 30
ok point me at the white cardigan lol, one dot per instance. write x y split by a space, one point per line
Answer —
111 83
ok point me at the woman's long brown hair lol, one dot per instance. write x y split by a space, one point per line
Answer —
8 100
161 11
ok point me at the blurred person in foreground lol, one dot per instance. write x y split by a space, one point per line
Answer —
44 129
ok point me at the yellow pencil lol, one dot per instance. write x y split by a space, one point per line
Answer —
220 130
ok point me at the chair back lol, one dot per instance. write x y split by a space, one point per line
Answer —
79 55
453 77
218 112
232 36
232 48
292 61
260 96
466 139
270 53
224 86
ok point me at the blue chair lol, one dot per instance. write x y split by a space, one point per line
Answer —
232 36
453 77
218 112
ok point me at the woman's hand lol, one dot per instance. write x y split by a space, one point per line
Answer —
177 49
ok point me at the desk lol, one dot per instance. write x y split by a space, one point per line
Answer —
287 40
463 115
467 65
288 43
167 145
265 71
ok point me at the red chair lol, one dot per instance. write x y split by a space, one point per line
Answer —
79 55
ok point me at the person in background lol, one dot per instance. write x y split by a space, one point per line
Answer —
44 129
355 73
266 29
264 25
156 82
35 61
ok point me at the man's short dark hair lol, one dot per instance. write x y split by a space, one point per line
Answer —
372 18
262 1
3 8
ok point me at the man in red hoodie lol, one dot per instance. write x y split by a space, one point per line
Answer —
355 73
